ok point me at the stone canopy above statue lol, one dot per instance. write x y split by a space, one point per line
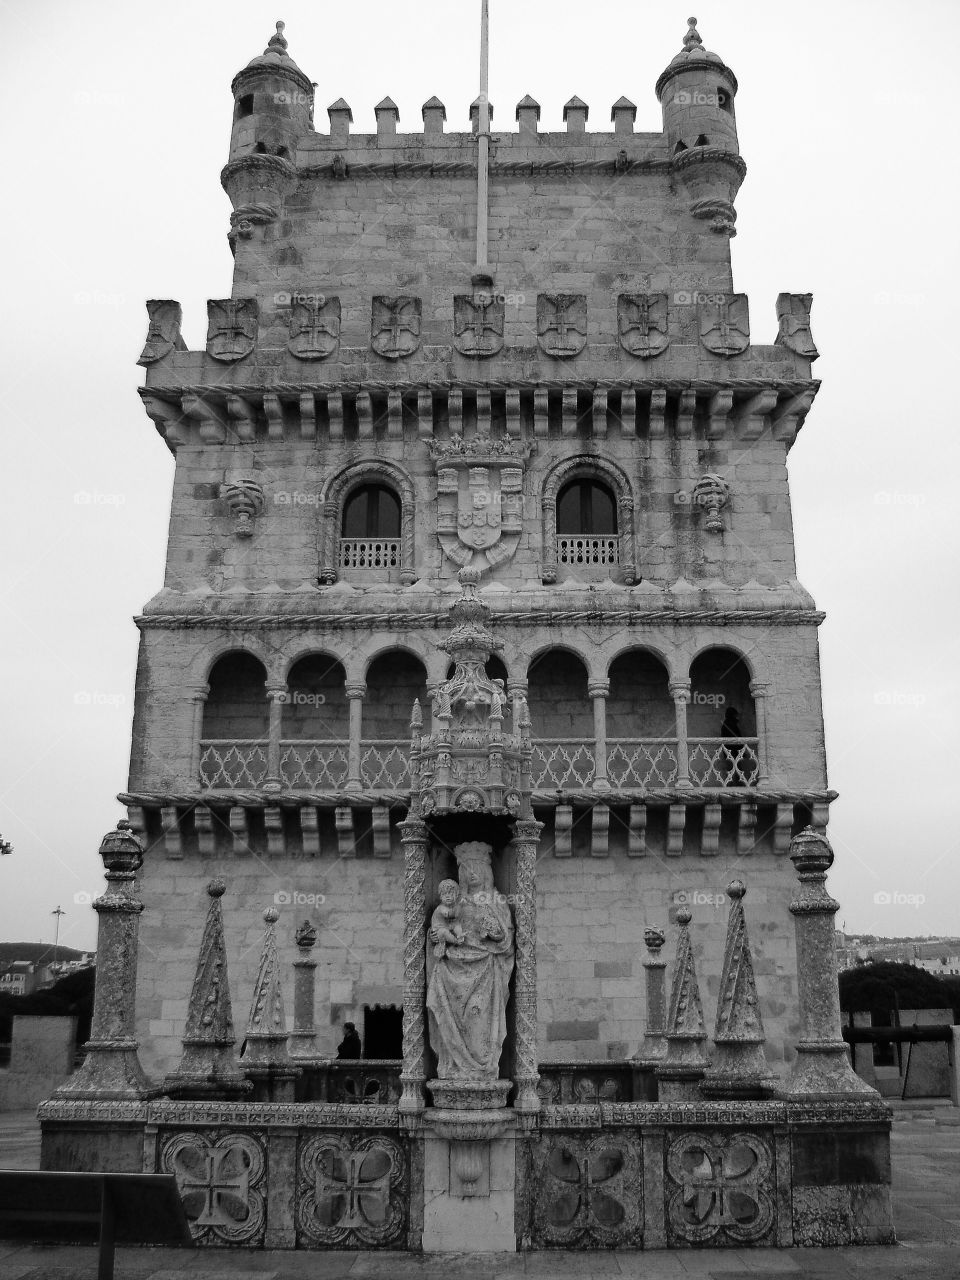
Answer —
467 763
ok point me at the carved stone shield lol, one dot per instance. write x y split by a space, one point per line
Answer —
478 324
395 326
725 326
793 314
163 331
479 499
231 327
562 324
642 323
314 326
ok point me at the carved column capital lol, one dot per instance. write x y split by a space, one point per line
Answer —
357 690
278 693
598 689
200 692
680 690
760 688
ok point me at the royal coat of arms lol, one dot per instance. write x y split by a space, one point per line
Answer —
642 323
725 326
793 314
562 324
478 324
232 327
395 326
479 499
314 326
163 331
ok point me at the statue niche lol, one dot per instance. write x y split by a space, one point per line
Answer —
470 962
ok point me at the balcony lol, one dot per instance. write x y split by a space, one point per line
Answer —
305 764
229 764
369 553
584 550
723 762
638 763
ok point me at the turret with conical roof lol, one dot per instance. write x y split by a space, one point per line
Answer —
696 93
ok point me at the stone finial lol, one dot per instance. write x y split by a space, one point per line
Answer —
623 115
654 939
388 117
683 1067
208 1067
528 114
811 853
692 38
267 1025
434 115
278 41
575 115
306 936
739 1069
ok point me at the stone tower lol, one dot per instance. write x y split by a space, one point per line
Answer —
591 434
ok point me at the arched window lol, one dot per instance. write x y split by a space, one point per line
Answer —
370 529
372 511
586 506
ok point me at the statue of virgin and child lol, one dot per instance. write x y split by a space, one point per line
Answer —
470 960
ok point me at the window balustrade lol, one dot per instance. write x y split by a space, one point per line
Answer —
370 553
583 549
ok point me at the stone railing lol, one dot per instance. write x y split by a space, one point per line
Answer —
595 1082
641 762
226 763
384 763
723 762
562 762
370 553
366 1081
585 549
314 763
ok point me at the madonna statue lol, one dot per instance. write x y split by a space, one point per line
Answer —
472 959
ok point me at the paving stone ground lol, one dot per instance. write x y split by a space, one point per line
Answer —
926 1188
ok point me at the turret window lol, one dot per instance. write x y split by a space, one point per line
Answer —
702 141
244 106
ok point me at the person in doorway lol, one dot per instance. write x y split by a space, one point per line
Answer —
349 1046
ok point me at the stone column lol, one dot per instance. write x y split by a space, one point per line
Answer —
413 834
822 1069
112 1068
198 699
355 695
526 1075
759 691
598 691
303 1038
680 692
654 1047
278 695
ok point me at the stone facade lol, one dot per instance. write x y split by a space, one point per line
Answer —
280 661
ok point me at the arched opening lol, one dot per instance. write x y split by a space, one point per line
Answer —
721 721
641 723
244 107
236 721
370 529
394 681
561 719
315 724
587 532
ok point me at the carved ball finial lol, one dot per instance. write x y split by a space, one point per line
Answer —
654 939
684 916
469 576
271 915
217 888
692 39
736 889
810 853
277 43
306 936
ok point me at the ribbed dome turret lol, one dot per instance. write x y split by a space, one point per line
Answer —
694 56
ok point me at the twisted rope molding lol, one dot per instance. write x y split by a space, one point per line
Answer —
706 386
401 799
560 617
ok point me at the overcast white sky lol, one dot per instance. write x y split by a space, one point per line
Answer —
116 121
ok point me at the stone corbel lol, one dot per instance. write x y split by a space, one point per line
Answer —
711 492
246 502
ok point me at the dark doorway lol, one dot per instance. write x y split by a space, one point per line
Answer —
382 1031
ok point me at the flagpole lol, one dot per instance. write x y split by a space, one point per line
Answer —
483 146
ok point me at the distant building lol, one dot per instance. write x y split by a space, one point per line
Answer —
939 956
19 979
